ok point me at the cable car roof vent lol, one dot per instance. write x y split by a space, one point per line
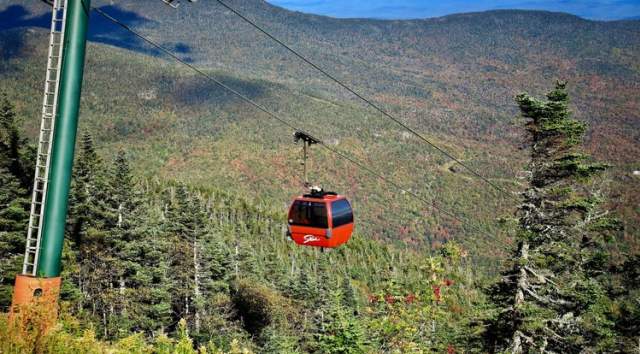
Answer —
318 192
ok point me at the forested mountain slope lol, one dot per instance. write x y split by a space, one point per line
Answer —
147 262
453 78
180 189
458 72
177 126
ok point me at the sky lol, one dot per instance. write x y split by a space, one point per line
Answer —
402 9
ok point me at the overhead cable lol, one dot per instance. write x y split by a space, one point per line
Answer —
273 115
367 101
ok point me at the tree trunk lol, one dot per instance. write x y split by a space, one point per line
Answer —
104 323
516 341
196 284
293 265
119 215
522 276
516 346
236 260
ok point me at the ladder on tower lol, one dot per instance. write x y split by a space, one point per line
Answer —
48 118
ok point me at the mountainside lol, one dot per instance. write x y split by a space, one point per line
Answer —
459 72
176 240
452 78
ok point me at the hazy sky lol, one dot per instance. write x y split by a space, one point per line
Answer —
593 9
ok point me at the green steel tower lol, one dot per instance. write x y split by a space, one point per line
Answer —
40 281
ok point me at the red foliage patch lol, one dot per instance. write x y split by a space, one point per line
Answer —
436 293
410 299
389 299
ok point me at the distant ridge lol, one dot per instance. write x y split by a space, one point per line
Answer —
420 9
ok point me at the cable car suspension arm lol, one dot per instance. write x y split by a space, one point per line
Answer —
307 141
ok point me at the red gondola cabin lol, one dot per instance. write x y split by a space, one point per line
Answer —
321 219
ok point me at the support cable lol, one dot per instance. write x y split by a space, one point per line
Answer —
273 115
367 101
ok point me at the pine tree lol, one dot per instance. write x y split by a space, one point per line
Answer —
213 302
132 289
325 283
16 156
628 314
192 269
339 330
14 218
16 169
349 297
150 286
279 341
123 236
304 288
86 188
550 299
92 216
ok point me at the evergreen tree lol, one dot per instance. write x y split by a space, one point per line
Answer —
339 331
326 282
132 268
88 189
16 155
550 299
279 341
628 321
14 218
122 237
304 288
199 265
213 303
16 169
149 287
349 297
92 216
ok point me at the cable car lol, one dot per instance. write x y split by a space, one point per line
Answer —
320 219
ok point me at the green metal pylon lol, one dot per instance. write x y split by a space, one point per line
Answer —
64 141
